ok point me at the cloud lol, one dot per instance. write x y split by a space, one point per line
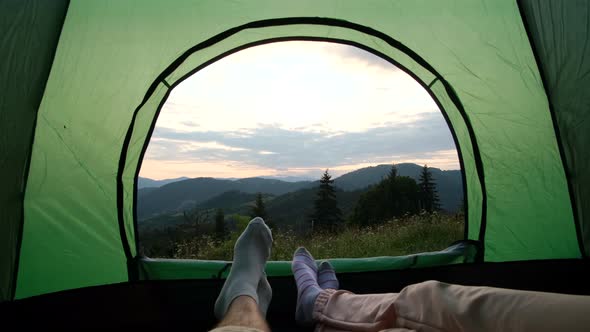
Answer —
295 108
189 123
273 147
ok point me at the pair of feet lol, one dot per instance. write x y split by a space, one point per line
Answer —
247 277
311 280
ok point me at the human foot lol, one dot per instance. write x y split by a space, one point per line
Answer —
251 252
264 292
305 272
327 276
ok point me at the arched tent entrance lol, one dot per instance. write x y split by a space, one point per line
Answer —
146 115
115 63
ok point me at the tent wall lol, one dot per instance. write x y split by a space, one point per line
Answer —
29 31
561 36
112 58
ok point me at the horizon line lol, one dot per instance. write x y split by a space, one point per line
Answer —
286 176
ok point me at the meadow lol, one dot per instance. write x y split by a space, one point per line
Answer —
401 236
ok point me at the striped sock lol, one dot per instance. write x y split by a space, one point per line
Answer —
327 276
305 272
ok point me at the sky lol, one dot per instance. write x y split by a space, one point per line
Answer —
295 109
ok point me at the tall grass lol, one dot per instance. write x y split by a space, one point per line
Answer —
408 235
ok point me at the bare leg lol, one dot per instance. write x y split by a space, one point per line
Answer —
244 311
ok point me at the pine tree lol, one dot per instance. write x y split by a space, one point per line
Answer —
326 213
259 210
428 193
392 173
220 229
391 195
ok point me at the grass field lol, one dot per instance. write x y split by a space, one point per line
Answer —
409 235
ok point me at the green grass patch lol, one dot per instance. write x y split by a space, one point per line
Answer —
408 235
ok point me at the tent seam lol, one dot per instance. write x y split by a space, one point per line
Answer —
432 82
140 162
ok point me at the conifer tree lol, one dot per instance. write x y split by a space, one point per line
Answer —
428 193
259 210
392 173
220 228
326 213
391 193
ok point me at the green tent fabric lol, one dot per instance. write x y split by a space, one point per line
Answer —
27 45
560 32
78 112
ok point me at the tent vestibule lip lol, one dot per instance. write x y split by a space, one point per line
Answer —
161 79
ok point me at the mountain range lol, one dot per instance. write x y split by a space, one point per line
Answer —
149 183
284 197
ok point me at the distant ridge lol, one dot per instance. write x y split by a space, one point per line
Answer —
149 183
187 194
184 194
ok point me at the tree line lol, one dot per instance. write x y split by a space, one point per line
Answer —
395 196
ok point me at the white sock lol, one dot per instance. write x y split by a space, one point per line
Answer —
251 251
264 292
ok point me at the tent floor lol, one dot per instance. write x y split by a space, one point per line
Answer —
169 304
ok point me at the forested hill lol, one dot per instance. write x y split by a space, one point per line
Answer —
449 183
149 183
188 194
